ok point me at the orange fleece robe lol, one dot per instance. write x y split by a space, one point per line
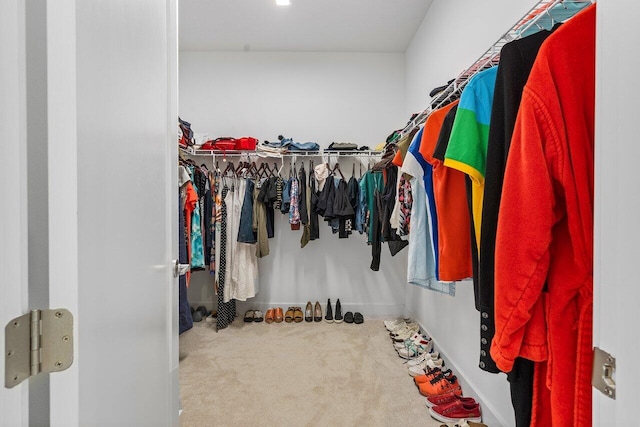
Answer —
544 244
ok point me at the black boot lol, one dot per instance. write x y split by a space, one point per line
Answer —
329 317
338 317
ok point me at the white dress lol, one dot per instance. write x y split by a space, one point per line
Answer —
244 272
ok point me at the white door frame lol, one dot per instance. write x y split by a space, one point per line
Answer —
617 203
14 288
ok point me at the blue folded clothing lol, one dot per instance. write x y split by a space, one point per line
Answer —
302 146
291 145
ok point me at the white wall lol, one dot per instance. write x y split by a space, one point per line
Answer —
452 36
321 97
309 96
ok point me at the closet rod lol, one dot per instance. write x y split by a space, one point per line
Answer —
491 56
238 153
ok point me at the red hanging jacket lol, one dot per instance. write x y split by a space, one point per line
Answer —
544 242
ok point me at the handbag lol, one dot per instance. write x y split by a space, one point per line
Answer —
220 144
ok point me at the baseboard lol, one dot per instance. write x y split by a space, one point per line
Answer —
367 310
489 415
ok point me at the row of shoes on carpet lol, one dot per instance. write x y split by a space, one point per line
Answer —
440 387
311 314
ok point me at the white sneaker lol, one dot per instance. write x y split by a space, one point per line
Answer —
414 350
414 338
407 334
420 369
404 325
407 330
393 323
434 355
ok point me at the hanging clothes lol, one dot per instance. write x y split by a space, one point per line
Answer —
185 318
279 187
421 267
269 196
325 197
302 196
362 212
213 180
544 278
469 137
405 203
342 209
244 265
286 197
294 209
516 60
321 172
314 226
304 207
260 220
232 242
371 182
454 242
246 233
387 202
226 309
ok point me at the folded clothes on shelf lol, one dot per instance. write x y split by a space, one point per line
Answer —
342 146
290 145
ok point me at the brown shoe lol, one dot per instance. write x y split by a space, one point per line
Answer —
288 316
297 314
278 315
270 316
317 313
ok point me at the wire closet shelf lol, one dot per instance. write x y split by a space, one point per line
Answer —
542 11
190 151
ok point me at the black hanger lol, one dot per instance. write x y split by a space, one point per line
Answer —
337 168
353 170
230 168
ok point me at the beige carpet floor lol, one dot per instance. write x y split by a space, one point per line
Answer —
298 374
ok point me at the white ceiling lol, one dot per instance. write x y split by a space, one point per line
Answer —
304 26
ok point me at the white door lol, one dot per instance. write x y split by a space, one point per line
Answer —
89 107
617 190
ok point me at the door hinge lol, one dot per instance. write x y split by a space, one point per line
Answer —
604 366
40 341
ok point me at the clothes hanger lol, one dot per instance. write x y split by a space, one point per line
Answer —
255 171
353 169
230 168
337 168
548 12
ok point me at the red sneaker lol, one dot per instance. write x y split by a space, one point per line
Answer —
444 399
456 411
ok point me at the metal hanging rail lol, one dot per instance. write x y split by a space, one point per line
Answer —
190 151
544 10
